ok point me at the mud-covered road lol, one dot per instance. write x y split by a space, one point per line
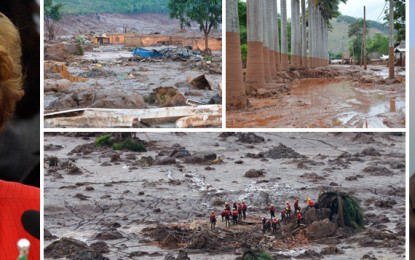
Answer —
338 96
109 200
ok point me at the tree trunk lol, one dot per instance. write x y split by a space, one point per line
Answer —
303 35
265 28
235 88
284 36
295 34
311 41
206 42
391 43
255 76
277 38
270 27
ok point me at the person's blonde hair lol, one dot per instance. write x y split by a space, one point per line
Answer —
10 69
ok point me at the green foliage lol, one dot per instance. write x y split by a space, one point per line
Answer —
346 208
378 43
129 144
207 14
399 18
335 56
53 11
355 32
257 255
242 13
353 213
244 52
103 140
79 49
372 24
110 6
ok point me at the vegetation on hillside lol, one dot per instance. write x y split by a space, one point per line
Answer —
109 6
372 24
399 18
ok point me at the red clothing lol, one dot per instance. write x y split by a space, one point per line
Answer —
296 203
299 216
288 206
310 203
244 206
275 221
234 213
15 199
227 212
212 216
272 208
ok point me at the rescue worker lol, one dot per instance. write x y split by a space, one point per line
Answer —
298 218
227 218
222 214
244 208
235 206
283 212
296 207
266 227
288 209
239 211
227 206
235 216
310 203
274 225
212 220
272 211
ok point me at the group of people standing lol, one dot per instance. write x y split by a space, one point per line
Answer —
238 212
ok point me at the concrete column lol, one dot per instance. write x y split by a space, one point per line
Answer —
284 36
255 76
276 35
267 58
235 88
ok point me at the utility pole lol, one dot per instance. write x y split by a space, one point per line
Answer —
391 52
364 38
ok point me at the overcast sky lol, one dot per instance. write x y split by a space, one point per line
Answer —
353 8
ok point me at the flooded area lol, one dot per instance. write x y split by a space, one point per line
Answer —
337 102
120 200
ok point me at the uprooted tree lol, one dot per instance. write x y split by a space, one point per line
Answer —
207 14
345 208
52 15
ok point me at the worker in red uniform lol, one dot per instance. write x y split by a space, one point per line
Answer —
288 209
244 208
275 223
296 207
235 216
298 218
283 212
239 211
227 217
272 211
266 226
310 203
212 218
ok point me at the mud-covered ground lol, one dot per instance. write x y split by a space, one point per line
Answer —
337 96
121 204
109 77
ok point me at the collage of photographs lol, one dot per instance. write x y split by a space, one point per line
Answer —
189 129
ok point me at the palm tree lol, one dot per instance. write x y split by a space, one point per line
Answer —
271 35
255 77
235 88
284 36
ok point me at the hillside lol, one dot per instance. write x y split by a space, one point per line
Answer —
110 6
338 40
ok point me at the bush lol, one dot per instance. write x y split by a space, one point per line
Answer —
103 140
129 144
52 161
79 50
244 52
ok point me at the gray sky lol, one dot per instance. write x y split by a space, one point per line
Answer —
353 8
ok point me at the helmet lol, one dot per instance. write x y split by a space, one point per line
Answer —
213 212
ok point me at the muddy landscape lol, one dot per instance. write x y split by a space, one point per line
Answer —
82 72
113 204
336 96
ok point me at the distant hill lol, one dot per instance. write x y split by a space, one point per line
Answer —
113 6
338 40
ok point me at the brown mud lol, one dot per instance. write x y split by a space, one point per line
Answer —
337 96
120 204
